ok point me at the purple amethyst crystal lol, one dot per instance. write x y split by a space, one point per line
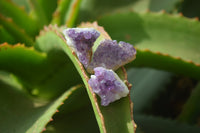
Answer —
81 40
112 55
107 85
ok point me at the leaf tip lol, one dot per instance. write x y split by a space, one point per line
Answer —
181 14
44 129
146 50
51 120
198 65
196 18
148 10
163 11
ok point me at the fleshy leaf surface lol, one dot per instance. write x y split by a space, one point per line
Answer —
164 35
21 113
152 124
66 12
148 84
19 17
74 115
5 36
92 9
190 112
17 33
55 68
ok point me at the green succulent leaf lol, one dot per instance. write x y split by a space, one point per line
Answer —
54 69
165 62
78 121
43 10
76 115
39 12
5 36
23 4
48 8
147 85
92 9
190 112
153 124
19 17
10 80
20 113
17 33
23 59
66 12
60 13
159 37
155 5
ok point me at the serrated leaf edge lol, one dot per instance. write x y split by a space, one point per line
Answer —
70 91
53 28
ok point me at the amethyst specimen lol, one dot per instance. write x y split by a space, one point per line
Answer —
81 40
112 55
108 56
107 85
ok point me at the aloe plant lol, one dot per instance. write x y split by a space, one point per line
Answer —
99 66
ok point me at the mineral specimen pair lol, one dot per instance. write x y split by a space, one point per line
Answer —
102 60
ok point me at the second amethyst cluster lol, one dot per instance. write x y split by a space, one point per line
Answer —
112 55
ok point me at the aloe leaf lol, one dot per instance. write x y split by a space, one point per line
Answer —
5 36
48 8
62 72
157 5
72 13
78 121
10 79
18 33
76 115
152 124
60 13
19 16
74 104
165 62
23 3
23 59
24 114
92 9
165 36
115 117
66 12
39 13
147 85
191 109
54 70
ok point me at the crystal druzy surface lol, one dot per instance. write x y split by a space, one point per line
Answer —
81 40
107 85
108 56
112 55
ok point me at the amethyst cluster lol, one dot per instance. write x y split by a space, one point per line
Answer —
107 85
82 40
108 56
112 55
